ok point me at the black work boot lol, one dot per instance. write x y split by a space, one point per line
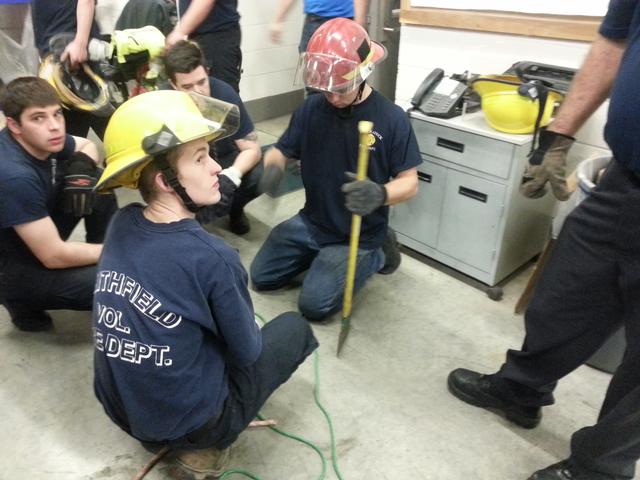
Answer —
565 470
391 249
239 223
480 391
27 319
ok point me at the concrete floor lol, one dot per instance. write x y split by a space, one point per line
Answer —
387 395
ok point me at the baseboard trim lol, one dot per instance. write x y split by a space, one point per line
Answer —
275 106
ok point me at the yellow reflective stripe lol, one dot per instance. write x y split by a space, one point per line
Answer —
351 75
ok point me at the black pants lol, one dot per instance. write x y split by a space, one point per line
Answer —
287 341
78 123
223 54
589 288
28 285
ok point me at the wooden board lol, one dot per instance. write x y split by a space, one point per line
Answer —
548 26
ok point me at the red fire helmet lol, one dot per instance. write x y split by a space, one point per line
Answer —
339 57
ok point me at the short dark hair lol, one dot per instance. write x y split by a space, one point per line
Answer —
183 57
25 92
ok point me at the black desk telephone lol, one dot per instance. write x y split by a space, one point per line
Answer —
438 96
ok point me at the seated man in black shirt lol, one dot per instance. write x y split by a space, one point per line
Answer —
240 154
46 181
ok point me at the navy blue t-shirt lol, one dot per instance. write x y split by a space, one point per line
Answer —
622 22
28 188
223 16
327 145
171 312
55 16
223 91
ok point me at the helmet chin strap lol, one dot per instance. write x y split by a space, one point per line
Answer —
172 179
157 146
347 111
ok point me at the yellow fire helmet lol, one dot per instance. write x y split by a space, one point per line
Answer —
511 106
154 122
81 90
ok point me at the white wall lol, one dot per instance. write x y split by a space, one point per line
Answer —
425 48
268 68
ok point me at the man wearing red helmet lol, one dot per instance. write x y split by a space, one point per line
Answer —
323 134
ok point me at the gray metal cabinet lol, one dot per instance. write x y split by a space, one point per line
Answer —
473 208
468 213
426 205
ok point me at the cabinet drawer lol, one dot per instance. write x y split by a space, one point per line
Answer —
419 218
471 214
469 150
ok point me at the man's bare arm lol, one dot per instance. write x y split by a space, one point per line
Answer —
43 239
250 153
76 51
403 187
190 20
591 85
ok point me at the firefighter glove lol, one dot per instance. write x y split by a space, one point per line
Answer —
81 175
547 163
363 196
228 189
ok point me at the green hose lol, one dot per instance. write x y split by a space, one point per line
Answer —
316 398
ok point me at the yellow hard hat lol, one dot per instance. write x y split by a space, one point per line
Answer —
154 122
81 90
508 108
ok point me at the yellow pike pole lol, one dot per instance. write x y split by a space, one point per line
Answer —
364 130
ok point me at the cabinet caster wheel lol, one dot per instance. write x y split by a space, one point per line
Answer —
495 293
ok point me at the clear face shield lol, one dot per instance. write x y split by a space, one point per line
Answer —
331 74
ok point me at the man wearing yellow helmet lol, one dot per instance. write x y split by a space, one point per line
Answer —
46 180
179 359
239 154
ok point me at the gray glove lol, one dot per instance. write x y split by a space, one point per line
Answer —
363 196
548 164
271 178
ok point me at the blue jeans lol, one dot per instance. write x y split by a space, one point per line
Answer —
291 249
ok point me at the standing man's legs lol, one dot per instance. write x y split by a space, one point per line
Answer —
586 291
78 123
223 54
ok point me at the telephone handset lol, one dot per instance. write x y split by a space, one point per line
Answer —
438 96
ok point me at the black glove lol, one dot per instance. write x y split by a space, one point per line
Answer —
363 196
80 177
271 178
227 193
547 164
